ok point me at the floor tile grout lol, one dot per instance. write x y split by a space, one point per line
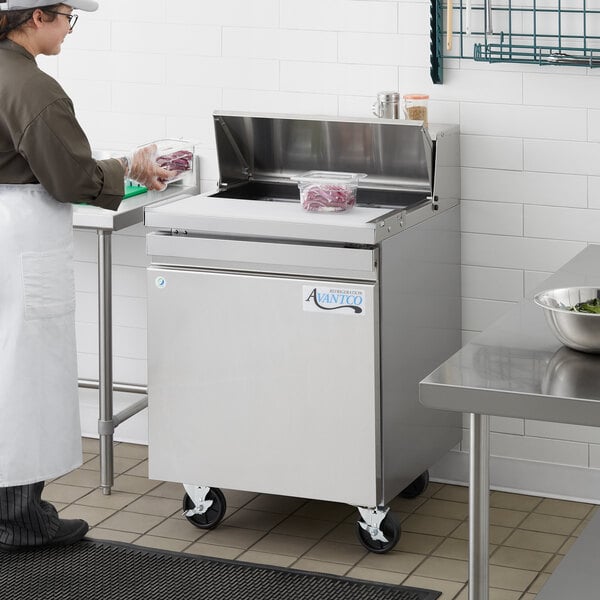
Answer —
438 507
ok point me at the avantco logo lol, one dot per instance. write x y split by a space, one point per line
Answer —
342 301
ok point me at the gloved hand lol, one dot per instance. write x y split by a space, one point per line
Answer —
142 168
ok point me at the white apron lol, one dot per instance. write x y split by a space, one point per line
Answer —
40 432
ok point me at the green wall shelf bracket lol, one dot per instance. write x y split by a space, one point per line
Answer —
436 36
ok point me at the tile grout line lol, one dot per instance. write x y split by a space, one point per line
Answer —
445 504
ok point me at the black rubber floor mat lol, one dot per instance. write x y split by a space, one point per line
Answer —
95 570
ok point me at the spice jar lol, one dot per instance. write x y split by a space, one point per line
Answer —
415 107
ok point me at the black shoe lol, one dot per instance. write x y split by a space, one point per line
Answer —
69 531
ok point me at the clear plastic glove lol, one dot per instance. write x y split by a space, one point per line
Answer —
142 168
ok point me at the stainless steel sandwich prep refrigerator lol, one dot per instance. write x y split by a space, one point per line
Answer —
285 347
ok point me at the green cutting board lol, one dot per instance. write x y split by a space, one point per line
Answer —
134 190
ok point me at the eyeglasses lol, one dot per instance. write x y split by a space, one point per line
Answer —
70 17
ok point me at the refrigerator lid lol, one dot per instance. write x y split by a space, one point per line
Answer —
267 147
232 217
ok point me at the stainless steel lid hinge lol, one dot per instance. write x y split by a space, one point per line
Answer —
392 224
179 232
435 202
243 163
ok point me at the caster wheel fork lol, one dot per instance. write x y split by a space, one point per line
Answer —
377 530
203 506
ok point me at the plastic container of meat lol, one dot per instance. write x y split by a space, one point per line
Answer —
176 156
328 191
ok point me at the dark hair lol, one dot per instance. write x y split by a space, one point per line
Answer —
10 20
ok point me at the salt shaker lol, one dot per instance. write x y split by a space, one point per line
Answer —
387 105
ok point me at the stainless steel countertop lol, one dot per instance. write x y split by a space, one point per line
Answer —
130 212
517 368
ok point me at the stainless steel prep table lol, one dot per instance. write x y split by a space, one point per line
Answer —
516 368
104 222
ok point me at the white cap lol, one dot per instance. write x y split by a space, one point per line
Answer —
88 5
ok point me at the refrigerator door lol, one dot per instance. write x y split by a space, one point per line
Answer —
264 383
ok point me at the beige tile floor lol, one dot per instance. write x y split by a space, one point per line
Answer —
528 535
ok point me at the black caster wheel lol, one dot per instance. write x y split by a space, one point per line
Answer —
417 487
389 528
213 516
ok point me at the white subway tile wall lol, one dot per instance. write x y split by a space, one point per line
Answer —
538 449
489 283
534 281
530 136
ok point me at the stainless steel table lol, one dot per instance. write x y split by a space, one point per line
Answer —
105 222
516 368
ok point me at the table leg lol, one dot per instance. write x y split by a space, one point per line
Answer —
105 374
479 506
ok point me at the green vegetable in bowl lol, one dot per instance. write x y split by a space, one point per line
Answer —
591 306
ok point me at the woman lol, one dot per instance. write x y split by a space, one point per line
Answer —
45 164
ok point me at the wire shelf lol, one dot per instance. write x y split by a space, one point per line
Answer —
545 32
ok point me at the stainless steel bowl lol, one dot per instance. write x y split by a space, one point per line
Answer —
577 330
572 374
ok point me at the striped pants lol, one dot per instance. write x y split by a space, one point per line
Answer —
26 519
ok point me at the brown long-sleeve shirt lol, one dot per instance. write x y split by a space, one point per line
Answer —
41 140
